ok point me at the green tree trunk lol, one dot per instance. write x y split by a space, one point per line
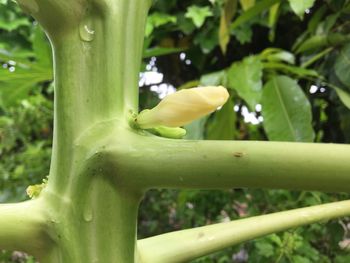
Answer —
97 48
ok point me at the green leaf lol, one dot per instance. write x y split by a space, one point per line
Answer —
273 17
245 78
258 8
10 25
243 33
312 43
160 51
213 79
33 74
20 56
11 93
300 6
157 19
316 57
329 22
16 86
264 249
149 29
198 14
10 19
42 48
343 96
207 38
227 13
222 127
286 111
300 259
342 259
316 19
275 239
184 24
342 66
293 70
344 118
195 130
277 54
320 41
247 4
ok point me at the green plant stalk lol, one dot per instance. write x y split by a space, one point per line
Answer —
228 164
199 241
315 58
319 41
97 49
95 80
20 230
252 12
101 167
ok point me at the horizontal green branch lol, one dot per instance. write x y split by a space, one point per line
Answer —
154 162
23 226
186 245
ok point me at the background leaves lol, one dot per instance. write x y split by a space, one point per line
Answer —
198 14
299 7
245 78
342 66
286 111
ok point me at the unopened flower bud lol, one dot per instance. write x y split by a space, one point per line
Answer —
183 107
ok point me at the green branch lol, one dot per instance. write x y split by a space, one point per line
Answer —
23 227
186 245
156 162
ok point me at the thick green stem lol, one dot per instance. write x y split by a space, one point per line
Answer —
97 46
227 164
96 75
201 241
98 225
23 226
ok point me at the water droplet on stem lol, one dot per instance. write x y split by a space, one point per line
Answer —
88 214
87 33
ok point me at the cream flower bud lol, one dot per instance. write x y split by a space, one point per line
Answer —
183 107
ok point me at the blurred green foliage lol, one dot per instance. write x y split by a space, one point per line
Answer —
286 66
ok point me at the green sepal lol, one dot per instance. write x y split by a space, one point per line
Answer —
168 132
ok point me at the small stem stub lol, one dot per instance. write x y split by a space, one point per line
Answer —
169 132
132 120
33 191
